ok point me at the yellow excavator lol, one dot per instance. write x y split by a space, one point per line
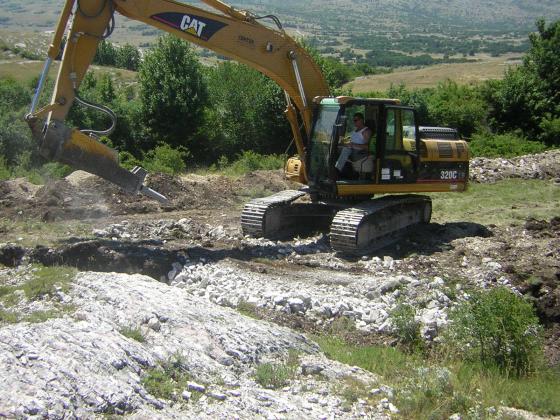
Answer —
400 157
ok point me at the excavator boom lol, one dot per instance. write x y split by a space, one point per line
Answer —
236 34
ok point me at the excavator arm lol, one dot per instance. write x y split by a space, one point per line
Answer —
233 33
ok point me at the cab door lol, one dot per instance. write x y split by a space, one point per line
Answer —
400 141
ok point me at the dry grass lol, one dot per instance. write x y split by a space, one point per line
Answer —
25 70
462 73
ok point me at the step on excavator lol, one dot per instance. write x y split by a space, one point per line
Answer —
396 158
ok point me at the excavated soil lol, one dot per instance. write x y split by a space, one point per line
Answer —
84 196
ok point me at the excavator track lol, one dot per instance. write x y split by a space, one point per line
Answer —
257 216
282 216
377 223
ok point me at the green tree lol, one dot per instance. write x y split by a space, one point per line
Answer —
448 104
15 137
128 57
416 98
334 72
12 95
173 93
106 89
246 111
461 107
106 54
83 117
528 98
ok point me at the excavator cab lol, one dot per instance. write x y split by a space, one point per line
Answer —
390 157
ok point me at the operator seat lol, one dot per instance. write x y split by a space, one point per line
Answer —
365 165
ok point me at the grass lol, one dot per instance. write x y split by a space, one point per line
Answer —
437 389
42 316
44 282
277 375
23 70
133 333
503 203
248 309
8 317
167 380
36 317
273 375
462 73
385 361
29 233
351 390
246 162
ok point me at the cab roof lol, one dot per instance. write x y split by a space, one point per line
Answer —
343 100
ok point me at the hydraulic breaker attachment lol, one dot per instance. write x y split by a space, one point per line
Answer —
70 146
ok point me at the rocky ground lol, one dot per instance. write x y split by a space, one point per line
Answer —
180 275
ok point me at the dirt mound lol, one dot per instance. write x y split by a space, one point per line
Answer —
273 181
55 200
60 200
16 189
82 195
539 166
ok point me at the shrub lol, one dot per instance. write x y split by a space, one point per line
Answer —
4 171
406 327
274 376
168 379
166 159
503 145
550 130
133 333
250 161
54 170
128 160
497 328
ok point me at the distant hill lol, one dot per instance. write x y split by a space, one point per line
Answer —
480 13
336 14
386 33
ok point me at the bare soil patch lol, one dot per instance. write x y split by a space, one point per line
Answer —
84 196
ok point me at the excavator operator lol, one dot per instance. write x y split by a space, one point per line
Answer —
359 144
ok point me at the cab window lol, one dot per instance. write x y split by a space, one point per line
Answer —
350 112
391 130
